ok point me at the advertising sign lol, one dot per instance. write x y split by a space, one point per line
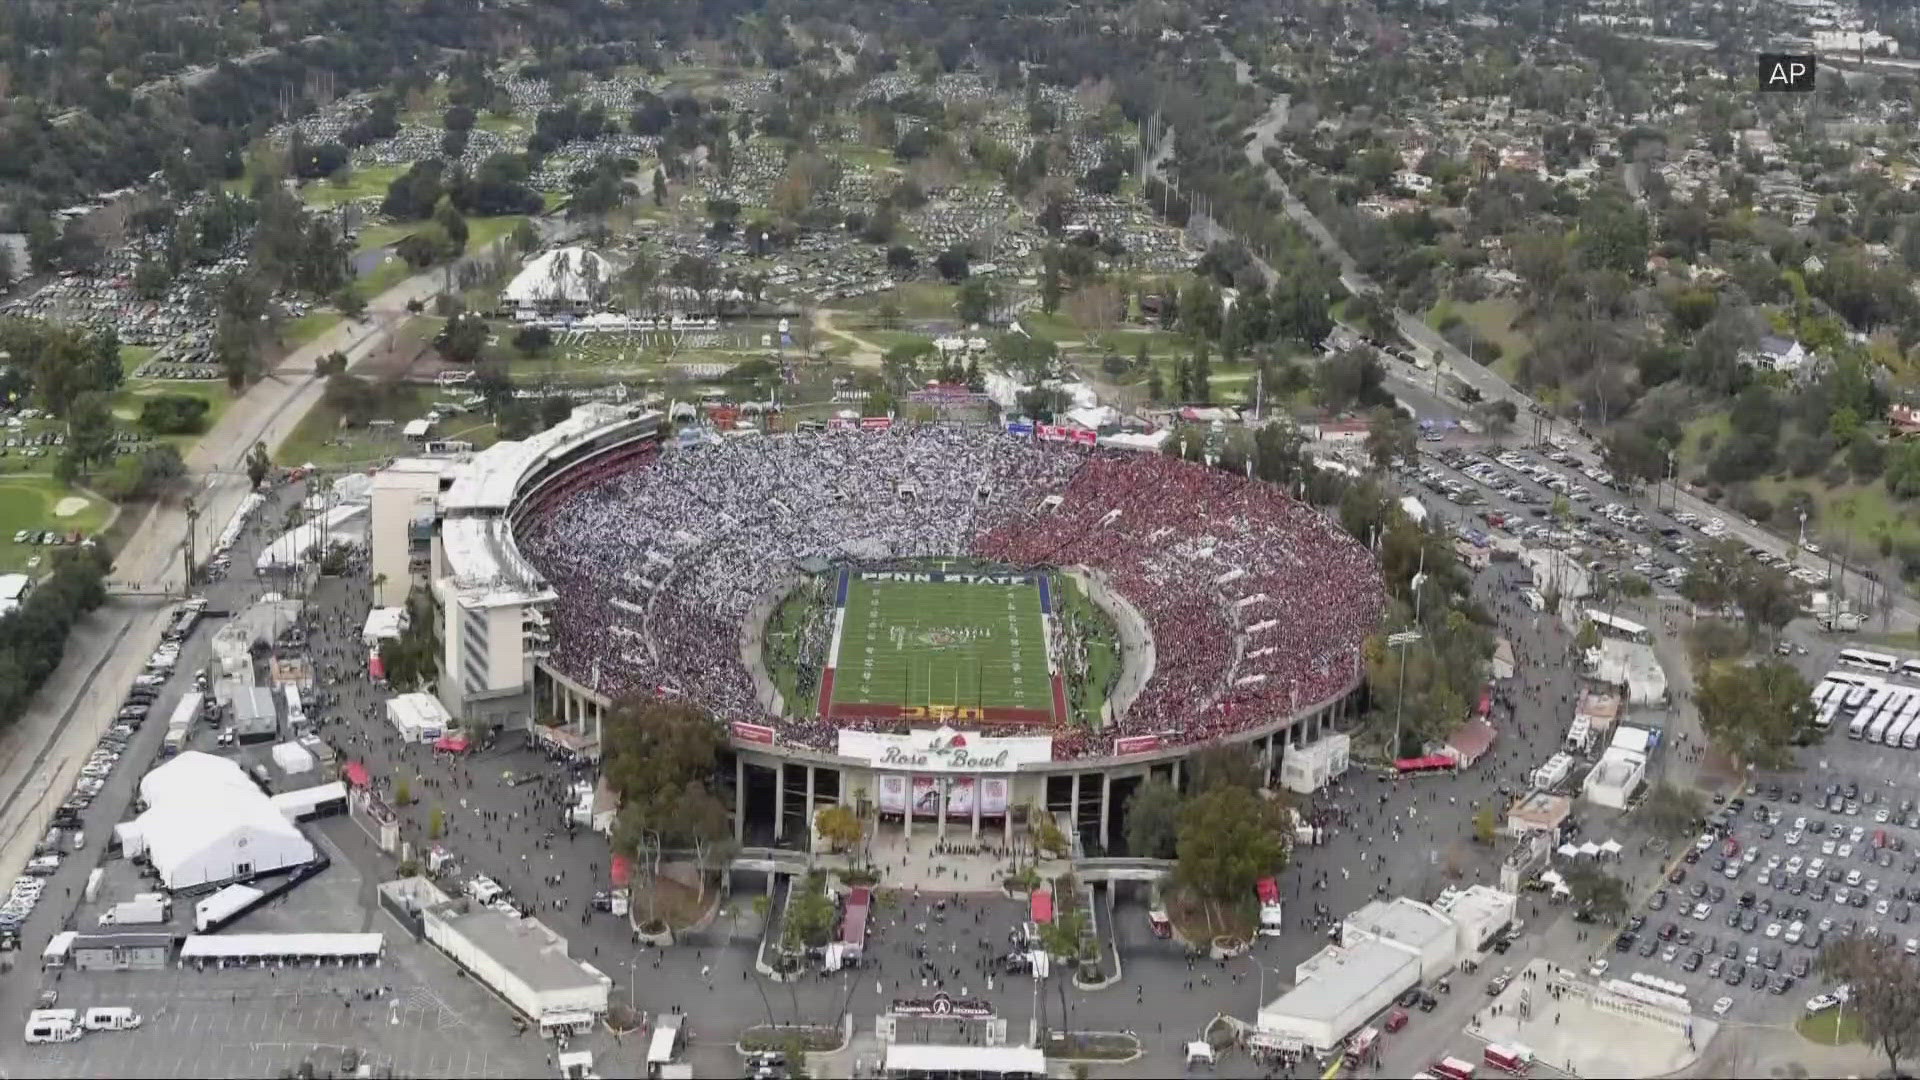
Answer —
1136 744
993 796
893 793
960 797
875 423
753 733
945 750
926 796
941 1005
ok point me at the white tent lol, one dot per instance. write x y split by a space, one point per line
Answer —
565 276
1568 851
343 524
383 622
206 823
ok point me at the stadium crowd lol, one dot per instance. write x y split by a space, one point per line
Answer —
1257 604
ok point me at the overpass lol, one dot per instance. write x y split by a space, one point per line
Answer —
1112 869
768 860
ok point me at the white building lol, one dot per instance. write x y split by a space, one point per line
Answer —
1632 666
14 589
522 960
404 501
1346 987
490 598
1479 913
418 717
1621 770
1409 924
206 823
564 279
383 623
1776 353
1307 769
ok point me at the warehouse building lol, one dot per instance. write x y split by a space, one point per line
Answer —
207 824
131 951
1345 987
1408 924
521 959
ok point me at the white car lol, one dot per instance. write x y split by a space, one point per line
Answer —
1793 838
1722 1006
1880 907
1845 851
1773 929
1827 847
1800 824
1820 1004
1752 856
1853 878
1667 954
1702 911
1598 969
1773 862
1795 932
1858 834
1796 864
1881 815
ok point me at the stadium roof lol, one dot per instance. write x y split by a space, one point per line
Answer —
487 484
486 565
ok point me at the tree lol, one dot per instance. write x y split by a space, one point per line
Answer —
952 264
533 340
1597 891
1390 437
1884 991
1758 712
1672 811
259 463
462 338
350 303
436 823
1153 821
1497 417
655 749
659 187
173 414
976 301
705 824
840 827
1230 838
1485 826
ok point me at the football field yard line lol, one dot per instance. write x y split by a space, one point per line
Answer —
943 643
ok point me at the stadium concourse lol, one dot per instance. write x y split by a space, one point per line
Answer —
1253 606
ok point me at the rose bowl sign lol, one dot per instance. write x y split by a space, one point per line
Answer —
945 750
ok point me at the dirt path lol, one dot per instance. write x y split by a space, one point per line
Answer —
865 353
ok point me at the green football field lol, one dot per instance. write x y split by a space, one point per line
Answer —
942 643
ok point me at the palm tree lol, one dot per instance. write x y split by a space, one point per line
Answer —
380 590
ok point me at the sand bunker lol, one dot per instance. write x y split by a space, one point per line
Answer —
69 506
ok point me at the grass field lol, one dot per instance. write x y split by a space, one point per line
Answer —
943 643
31 502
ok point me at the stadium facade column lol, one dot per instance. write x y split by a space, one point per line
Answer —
940 806
1106 808
739 799
779 801
1073 812
809 817
979 786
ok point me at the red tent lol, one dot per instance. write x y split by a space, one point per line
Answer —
376 668
356 774
1042 908
622 872
452 744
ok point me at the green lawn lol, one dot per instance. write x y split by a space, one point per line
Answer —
319 439
1832 1028
485 230
386 235
916 300
32 502
308 327
385 276
128 401
1491 320
1875 513
1692 450
499 125
361 183
1089 696
943 643
132 356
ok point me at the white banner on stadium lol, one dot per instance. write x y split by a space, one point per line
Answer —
993 796
960 797
893 794
945 751
926 796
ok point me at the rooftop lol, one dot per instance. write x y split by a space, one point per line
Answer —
1408 922
523 947
1343 976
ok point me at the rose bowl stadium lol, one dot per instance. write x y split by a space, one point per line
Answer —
953 625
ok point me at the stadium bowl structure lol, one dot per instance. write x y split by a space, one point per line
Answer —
1240 612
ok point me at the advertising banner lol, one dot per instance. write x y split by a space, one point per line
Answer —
926 797
1051 432
993 796
839 423
893 793
960 797
1083 438
875 423
1019 427
753 733
1136 744
945 750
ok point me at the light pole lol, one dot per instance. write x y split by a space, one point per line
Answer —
1400 641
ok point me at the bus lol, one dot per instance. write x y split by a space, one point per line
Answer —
1877 731
1858 696
1910 669
1911 740
1824 691
1875 699
1452 1068
1857 727
1870 661
1512 1059
1897 730
1824 718
1272 916
1425 766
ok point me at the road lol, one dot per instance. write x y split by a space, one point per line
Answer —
1464 371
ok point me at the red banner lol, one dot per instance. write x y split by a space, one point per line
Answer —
1136 744
1063 433
875 423
754 733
